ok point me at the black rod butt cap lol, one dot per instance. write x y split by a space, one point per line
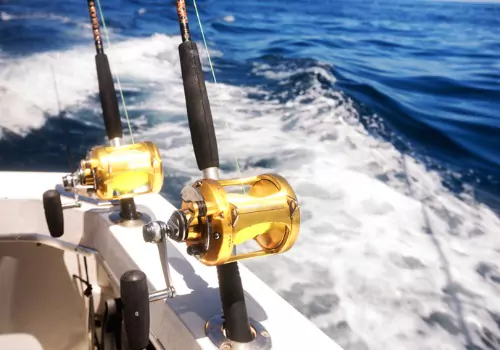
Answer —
53 213
135 300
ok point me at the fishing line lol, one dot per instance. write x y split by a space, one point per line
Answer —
215 82
117 76
60 113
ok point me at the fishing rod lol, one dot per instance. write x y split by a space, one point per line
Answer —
212 220
207 157
111 114
116 172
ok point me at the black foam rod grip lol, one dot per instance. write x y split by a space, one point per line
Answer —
135 300
233 303
53 213
107 94
198 107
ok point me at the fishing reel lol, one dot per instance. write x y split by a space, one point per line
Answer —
115 172
212 220
118 172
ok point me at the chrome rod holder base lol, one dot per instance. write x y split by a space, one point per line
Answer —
214 328
143 219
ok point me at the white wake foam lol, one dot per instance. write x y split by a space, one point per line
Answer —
6 16
365 268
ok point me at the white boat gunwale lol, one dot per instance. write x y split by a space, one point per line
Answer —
177 323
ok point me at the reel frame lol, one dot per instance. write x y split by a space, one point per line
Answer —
118 172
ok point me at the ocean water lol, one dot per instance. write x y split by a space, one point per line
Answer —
383 115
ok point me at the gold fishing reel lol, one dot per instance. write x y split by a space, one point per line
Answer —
118 172
213 220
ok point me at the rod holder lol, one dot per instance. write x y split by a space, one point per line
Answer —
216 331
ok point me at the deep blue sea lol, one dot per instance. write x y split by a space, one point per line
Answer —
377 108
429 69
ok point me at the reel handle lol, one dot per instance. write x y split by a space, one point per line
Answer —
54 212
135 300
155 232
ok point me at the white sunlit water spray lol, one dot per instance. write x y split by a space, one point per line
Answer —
387 258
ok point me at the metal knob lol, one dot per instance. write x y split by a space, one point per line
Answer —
152 231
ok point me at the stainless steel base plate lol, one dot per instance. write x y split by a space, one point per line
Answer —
214 328
115 218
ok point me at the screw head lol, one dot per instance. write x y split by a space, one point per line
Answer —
226 346
216 235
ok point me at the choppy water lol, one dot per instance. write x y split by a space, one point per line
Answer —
382 114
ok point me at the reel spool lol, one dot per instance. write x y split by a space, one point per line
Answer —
118 172
212 220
